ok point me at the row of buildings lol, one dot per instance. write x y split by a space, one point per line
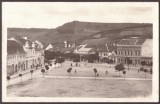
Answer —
23 54
135 48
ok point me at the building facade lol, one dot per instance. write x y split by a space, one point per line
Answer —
16 57
147 52
34 53
130 48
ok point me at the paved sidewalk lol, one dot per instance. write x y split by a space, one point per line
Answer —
64 77
24 72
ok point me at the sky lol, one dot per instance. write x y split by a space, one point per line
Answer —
54 14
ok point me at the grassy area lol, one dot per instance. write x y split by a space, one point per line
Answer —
50 87
65 87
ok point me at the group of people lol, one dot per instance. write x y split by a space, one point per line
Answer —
75 65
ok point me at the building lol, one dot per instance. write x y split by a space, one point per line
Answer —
34 51
16 57
50 46
83 50
64 47
146 51
132 48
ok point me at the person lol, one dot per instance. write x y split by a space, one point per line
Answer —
106 72
76 64
75 71
71 64
97 74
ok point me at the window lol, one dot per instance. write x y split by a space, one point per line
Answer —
135 53
138 53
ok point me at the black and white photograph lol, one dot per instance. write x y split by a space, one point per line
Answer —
80 52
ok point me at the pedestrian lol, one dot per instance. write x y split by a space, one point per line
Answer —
76 64
71 64
75 71
97 74
106 72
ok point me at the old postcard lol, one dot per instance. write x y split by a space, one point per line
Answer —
80 52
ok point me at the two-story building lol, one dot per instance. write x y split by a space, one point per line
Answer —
34 51
131 48
16 57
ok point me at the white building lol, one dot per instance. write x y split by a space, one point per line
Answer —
147 50
50 46
34 52
82 50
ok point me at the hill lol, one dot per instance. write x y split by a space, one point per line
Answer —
78 31
32 33
113 36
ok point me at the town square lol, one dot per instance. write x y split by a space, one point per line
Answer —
79 50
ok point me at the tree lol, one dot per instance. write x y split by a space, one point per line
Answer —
119 67
21 76
43 71
151 70
47 67
8 78
124 72
91 59
37 66
31 73
141 69
59 60
145 71
95 71
96 56
76 59
129 61
109 61
69 71
143 63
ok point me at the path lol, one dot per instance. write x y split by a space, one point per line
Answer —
64 77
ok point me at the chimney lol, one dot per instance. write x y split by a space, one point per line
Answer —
33 45
69 45
27 45
65 43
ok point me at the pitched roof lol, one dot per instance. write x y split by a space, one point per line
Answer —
95 41
131 41
23 41
59 46
14 47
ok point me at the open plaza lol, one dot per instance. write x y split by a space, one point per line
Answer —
82 82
